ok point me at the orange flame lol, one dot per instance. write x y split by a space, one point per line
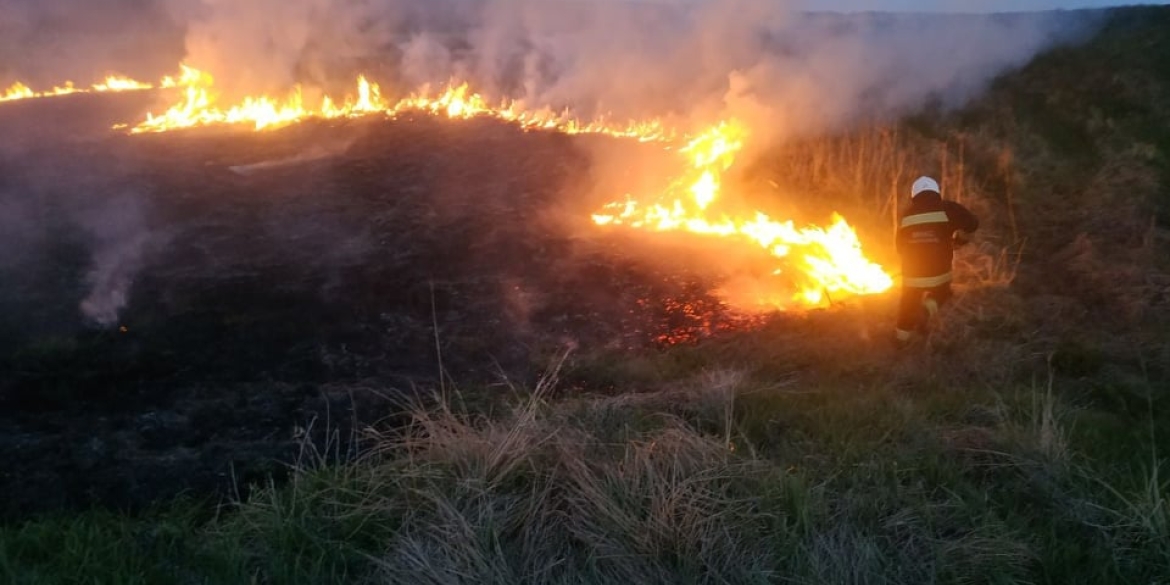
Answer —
822 263
119 83
17 91
458 101
199 107
112 83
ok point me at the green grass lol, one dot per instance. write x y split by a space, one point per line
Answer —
104 547
726 478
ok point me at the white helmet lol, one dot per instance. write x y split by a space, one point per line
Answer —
924 184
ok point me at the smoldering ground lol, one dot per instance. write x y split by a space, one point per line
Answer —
62 213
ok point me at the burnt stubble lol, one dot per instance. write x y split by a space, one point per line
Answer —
269 280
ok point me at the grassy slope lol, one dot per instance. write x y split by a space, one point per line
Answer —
1026 445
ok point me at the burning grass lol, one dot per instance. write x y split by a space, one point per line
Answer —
111 84
815 264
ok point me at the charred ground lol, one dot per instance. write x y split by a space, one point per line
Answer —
259 299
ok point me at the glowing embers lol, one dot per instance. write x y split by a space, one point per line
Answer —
692 318
820 263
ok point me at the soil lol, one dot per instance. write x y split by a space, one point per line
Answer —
268 303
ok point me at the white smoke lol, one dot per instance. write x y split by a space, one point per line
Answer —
700 59
785 71
121 240
51 209
47 43
792 71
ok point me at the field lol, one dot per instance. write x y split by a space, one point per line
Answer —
411 359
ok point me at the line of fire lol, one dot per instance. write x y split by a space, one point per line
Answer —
814 265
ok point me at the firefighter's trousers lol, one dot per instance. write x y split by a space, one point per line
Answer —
917 306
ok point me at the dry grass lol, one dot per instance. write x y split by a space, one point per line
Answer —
534 498
1037 425
592 491
725 479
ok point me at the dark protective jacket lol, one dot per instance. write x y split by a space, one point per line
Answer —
926 239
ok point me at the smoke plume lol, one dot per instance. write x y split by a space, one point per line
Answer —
786 71
120 240
60 213
47 43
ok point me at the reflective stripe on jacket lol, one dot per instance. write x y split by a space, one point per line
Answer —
925 239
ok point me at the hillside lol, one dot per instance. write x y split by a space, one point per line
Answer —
466 394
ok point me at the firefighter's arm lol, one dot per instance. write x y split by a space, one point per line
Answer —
963 221
961 218
961 238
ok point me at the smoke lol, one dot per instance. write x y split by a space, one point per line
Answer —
120 240
784 70
268 45
314 152
46 43
75 230
829 72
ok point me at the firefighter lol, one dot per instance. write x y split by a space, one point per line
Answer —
930 231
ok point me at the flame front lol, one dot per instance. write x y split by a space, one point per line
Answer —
458 101
819 263
17 91
822 263
199 106
119 83
112 83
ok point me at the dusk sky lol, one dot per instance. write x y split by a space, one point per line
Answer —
964 5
